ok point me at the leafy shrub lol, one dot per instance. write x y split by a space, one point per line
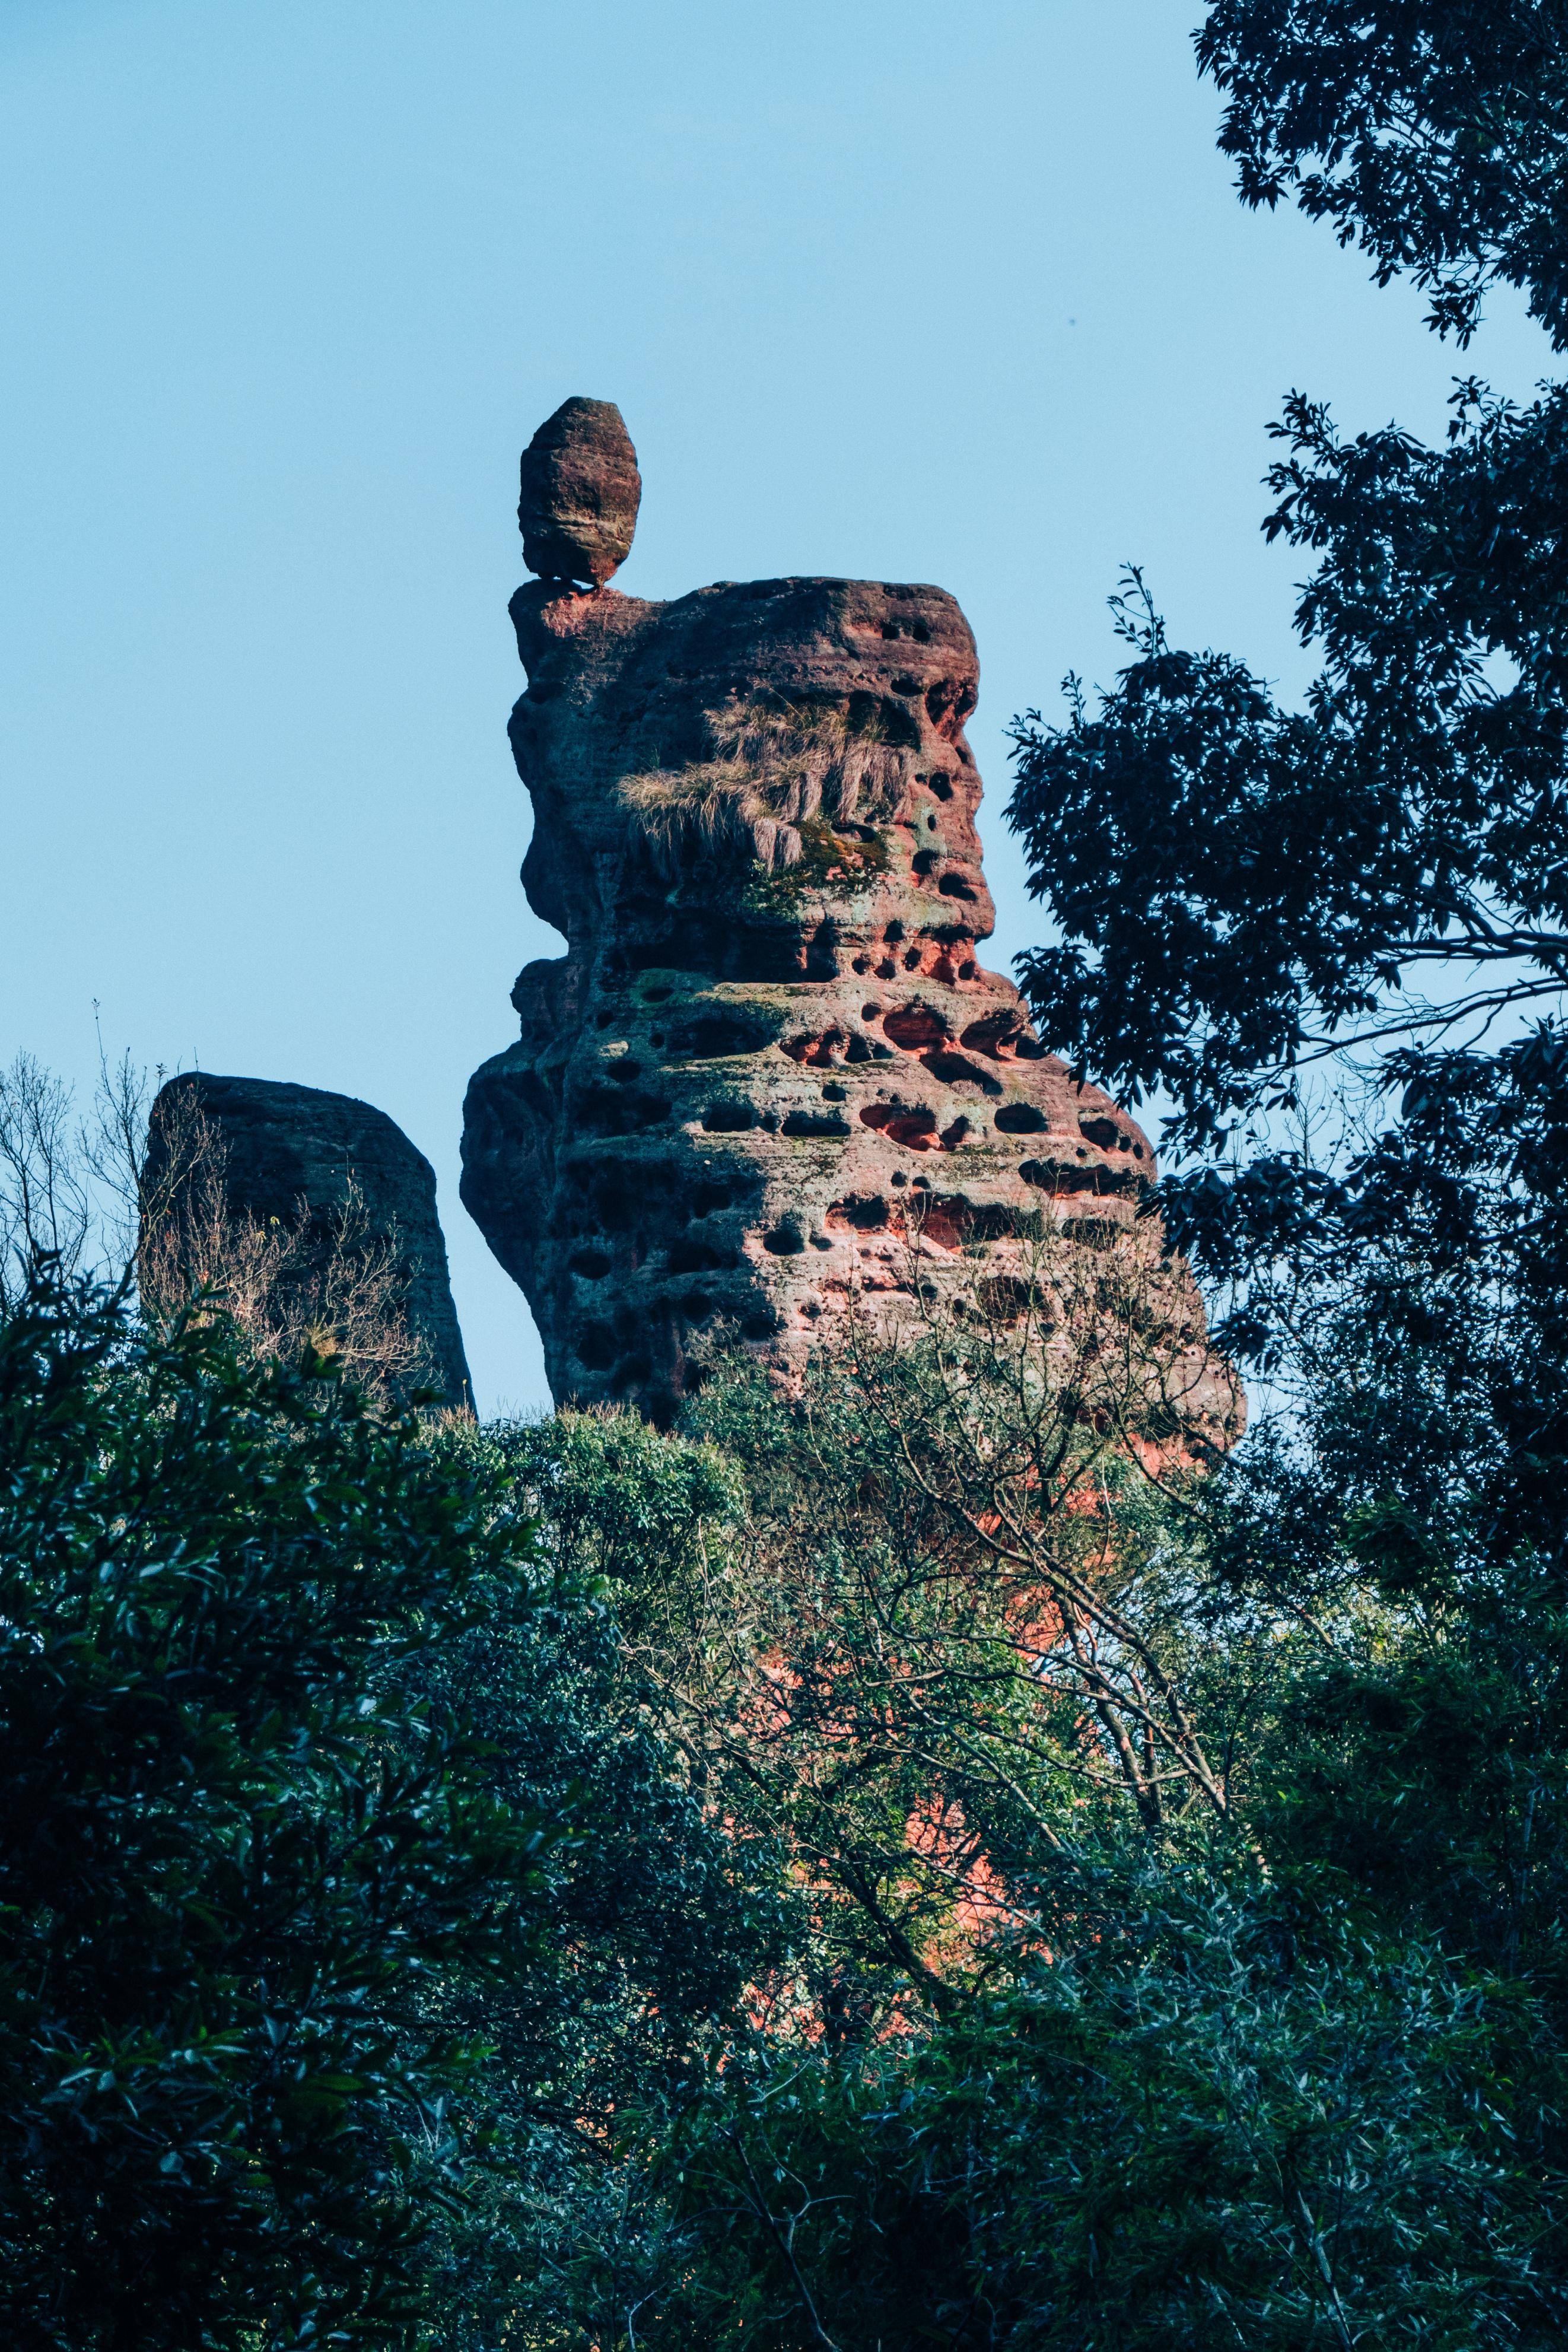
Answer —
241 1850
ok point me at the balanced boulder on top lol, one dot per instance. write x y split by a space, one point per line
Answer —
580 492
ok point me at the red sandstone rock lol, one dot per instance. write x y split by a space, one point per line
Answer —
769 1065
580 492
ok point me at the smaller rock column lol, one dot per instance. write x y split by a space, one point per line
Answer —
299 1160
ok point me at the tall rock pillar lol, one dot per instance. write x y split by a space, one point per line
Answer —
769 1056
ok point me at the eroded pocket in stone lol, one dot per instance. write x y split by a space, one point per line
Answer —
602 1111
1109 1136
825 1123
689 1255
916 1028
914 1127
864 1212
713 1036
1005 1298
1063 1176
816 1050
953 1070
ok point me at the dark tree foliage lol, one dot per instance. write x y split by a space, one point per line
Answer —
1214 2116
1431 132
654 1915
239 1854
1240 883
1246 889
1293 2077
1411 1512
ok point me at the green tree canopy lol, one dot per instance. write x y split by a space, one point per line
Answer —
1245 886
240 1852
1433 136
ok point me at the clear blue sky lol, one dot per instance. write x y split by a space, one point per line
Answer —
943 292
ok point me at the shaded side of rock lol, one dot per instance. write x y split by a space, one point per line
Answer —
317 1168
580 492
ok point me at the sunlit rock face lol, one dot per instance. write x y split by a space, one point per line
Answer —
770 1073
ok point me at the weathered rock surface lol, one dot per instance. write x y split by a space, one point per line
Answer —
580 492
298 1154
770 1058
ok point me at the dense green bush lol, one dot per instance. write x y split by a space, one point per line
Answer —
1213 2115
654 1917
240 1851
349 1890
1284 2073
